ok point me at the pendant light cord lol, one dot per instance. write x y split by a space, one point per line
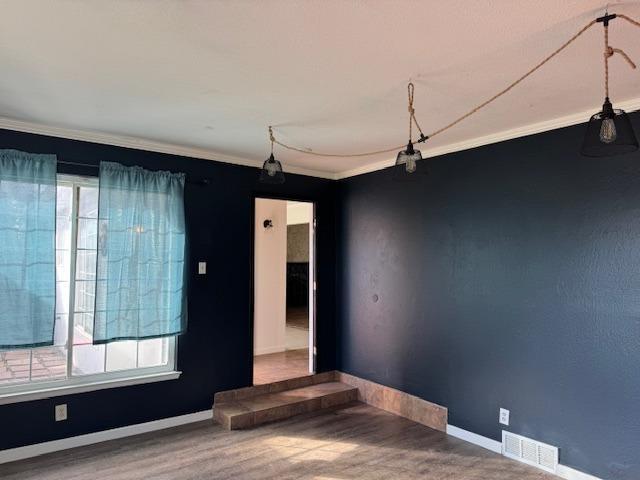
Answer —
412 116
271 138
608 53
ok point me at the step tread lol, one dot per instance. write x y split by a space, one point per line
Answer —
287 397
252 411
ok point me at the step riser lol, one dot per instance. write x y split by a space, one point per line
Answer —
275 387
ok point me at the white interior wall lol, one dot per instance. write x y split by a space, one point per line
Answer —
299 212
270 282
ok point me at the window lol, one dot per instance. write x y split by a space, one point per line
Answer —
74 360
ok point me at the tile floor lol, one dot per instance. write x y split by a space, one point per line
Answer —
274 367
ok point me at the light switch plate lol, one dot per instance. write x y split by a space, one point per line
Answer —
504 416
202 268
61 412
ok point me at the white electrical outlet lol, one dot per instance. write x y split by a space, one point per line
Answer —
202 268
504 416
61 412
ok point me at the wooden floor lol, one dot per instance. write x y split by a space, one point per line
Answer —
298 317
274 367
354 442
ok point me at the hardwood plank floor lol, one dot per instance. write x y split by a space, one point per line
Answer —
352 442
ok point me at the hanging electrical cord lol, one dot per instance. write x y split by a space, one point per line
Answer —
474 110
412 115
410 156
609 131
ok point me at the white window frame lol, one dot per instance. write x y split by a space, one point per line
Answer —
36 389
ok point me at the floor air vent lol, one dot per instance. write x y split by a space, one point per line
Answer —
529 451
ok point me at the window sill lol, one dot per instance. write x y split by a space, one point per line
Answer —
86 387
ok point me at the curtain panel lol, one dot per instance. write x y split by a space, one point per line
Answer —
140 287
27 249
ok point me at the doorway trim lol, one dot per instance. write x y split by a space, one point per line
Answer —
313 284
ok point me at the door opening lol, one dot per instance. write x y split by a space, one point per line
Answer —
284 290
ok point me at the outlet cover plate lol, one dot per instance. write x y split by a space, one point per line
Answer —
61 412
504 416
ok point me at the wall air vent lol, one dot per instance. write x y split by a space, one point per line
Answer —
529 451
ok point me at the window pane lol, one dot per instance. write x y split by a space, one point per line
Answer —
63 263
63 233
61 330
88 359
63 217
152 353
14 366
64 197
85 295
87 233
121 355
83 329
88 202
49 363
86 265
62 297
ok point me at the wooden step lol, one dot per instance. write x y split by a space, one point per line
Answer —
240 413
274 387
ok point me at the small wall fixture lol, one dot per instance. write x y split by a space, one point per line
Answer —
609 131
268 223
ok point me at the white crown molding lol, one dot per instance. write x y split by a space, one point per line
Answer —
181 150
28 451
144 144
547 125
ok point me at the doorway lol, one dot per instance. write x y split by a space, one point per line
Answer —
284 293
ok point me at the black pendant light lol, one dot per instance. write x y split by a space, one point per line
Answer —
409 156
271 172
609 131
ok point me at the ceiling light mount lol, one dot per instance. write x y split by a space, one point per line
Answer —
606 18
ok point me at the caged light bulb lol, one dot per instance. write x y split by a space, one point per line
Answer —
270 167
410 165
608 132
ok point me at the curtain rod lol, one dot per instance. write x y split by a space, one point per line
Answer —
204 181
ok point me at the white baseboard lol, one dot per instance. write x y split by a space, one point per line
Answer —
571 474
474 438
29 451
563 471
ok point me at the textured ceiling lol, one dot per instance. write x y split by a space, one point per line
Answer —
329 75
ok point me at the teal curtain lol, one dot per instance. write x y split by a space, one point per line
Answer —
140 290
27 249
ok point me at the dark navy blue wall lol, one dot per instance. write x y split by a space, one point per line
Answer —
216 352
507 277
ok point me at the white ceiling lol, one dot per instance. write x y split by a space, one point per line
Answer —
209 76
